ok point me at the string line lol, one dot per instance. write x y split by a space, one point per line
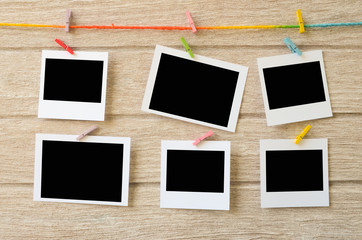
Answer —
323 25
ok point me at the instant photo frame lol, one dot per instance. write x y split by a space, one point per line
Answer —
294 175
294 88
201 90
195 177
73 86
94 170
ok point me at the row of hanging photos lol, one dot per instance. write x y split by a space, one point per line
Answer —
286 40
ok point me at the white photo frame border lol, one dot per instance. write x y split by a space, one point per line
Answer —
301 112
126 141
293 198
195 200
239 89
68 109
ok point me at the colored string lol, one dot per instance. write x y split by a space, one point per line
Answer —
334 24
323 25
31 25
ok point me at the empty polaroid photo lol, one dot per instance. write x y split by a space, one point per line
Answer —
73 86
201 90
93 171
195 177
294 88
294 175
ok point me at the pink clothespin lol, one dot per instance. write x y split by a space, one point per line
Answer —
64 46
191 21
86 132
208 134
68 12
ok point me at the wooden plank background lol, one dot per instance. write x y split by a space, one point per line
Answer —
130 55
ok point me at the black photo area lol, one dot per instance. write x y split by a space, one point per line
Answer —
73 80
194 90
195 171
294 85
82 171
294 170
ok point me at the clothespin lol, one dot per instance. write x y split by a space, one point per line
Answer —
64 46
302 134
191 21
300 21
208 134
68 13
86 132
292 46
188 49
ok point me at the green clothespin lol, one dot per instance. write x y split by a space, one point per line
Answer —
188 49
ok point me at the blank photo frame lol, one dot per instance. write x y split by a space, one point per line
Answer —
93 171
294 88
73 86
195 177
201 90
294 175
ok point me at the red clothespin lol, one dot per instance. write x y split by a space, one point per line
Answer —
208 134
68 13
86 132
191 21
64 46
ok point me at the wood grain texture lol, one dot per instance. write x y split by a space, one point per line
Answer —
130 56
143 219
